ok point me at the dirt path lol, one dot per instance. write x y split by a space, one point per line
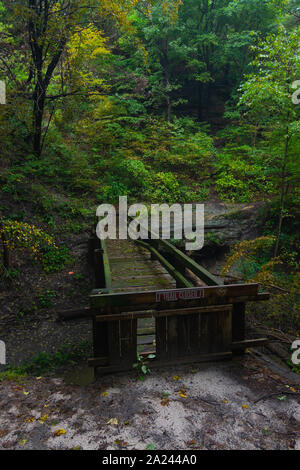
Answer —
206 407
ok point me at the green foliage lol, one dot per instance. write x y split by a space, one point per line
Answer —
44 363
242 174
55 259
45 299
141 366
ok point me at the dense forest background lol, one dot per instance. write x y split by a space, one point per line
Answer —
162 101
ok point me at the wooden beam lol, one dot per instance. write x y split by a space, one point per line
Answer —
155 364
189 263
106 266
163 313
222 293
249 343
83 312
180 279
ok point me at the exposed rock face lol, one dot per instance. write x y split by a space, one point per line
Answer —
225 225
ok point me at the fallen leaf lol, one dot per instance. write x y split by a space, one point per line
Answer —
190 443
22 443
245 407
44 418
293 390
29 420
165 402
182 395
59 432
281 398
39 378
225 401
26 393
176 377
150 447
104 394
113 421
266 430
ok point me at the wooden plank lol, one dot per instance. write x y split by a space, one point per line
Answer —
161 337
128 341
238 324
155 364
181 281
73 314
161 313
189 263
114 344
249 343
172 338
155 297
106 267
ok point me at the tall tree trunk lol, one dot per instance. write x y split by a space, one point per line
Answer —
283 193
38 114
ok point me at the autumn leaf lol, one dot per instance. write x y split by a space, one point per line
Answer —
59 432
44 418
22 443
165 402
176 378
105 394
30 420
113 421
225 401
26 393
245 407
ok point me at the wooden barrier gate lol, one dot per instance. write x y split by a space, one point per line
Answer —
192 324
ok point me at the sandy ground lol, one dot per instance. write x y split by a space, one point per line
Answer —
209 406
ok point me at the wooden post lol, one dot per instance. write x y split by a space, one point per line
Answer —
238 325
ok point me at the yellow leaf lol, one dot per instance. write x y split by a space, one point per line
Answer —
29 420
245 407
293 390
182 395
26 393
225 401
44 418
59 432
104 394
113 421
22 443
176 377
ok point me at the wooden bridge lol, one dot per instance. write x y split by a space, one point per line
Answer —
150 297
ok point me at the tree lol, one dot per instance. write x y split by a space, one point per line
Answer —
39 35
267 99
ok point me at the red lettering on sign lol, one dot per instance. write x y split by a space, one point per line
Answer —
174 295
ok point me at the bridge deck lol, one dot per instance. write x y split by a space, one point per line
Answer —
132 269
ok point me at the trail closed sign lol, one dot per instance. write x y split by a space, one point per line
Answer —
180 294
